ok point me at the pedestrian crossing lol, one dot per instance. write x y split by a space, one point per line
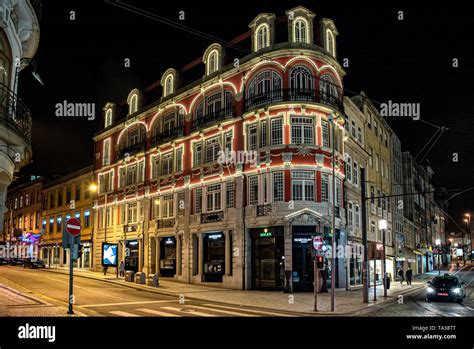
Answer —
204 310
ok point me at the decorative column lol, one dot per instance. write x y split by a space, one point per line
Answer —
157 255
178 254
201 255
228 253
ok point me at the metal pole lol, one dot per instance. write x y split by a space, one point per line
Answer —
71 270
384 263
463 258
375 274
333 261
316 283
365 265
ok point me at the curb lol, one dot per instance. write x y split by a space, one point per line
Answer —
393 298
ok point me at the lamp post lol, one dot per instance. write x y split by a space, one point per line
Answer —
468 215
438 245
466 220
383 228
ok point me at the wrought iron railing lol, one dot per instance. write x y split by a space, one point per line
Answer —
132 149
211 118
212 217
332 100
14 113
263 210
165 223
167 135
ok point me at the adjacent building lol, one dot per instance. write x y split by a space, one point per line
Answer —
19 37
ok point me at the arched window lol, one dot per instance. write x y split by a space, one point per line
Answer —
328 89
200 110
108 117
330 42
264 88
5 61
300 29
133 107
169 88
263 36
212 65
301 79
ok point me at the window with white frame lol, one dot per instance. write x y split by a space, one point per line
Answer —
179 159
277 131
357 216
253 190
382 167
302 130
197 153
167 209
252 137
197 200
123 213
214 103
262 36
349 169
278 186
212 149
131 174
105 182
166 163
325 133
371 159
141 171
213 63
353 130
108 117
155 166
359 135
263 133
355 173
122 177
133 107
350 214
230 194
338 193
300 29
301 80
106 154
302 185
377 165
132 212
214 198
330 42
169 81
324 187
264 83
228 138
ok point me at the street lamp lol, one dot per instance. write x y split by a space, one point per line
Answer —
470 234
467 220
438 244
383 228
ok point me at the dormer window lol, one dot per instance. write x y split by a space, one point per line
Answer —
133 104
300 30
330 42
134 100
213 58
262 36
169 85
108 117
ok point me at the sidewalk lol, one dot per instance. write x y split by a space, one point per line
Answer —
347 302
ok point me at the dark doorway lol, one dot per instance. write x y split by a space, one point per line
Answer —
131 255
168 256
214 257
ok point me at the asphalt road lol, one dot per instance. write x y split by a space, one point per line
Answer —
28 292
415 305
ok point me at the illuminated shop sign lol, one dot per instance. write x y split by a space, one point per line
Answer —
109 254
214 236
169 241
302 240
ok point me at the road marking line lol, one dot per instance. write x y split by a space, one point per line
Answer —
224 311
198 313
123 313
123 303
156 312
253 311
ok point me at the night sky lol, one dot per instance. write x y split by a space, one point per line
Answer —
404 61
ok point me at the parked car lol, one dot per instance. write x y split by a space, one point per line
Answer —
447 287
33 263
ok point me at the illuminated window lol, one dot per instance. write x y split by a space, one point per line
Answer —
253 190
214 198
213 64
302 130
301 79
302 185
300 30
106 154
278 186
330 42
263 36
168 85
133 107
108 118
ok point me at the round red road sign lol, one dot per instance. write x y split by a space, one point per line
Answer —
73 226
318 243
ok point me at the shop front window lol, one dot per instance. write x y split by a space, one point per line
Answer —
214 257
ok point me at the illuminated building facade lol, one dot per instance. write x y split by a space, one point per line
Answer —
178 208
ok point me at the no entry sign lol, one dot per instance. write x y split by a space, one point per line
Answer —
318 243
73 226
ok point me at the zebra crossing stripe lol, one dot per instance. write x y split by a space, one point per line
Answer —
156 312
198 313
123 313
225 311
268 313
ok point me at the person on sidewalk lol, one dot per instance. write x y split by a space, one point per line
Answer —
401 275
409 275
121 269
105 269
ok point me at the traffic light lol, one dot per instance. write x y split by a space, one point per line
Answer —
79 251
320 262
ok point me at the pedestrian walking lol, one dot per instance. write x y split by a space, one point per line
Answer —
401 275
121 269
409 275
105 269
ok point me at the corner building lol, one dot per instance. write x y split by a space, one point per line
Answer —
175 209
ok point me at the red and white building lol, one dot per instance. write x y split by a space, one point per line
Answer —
176 209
